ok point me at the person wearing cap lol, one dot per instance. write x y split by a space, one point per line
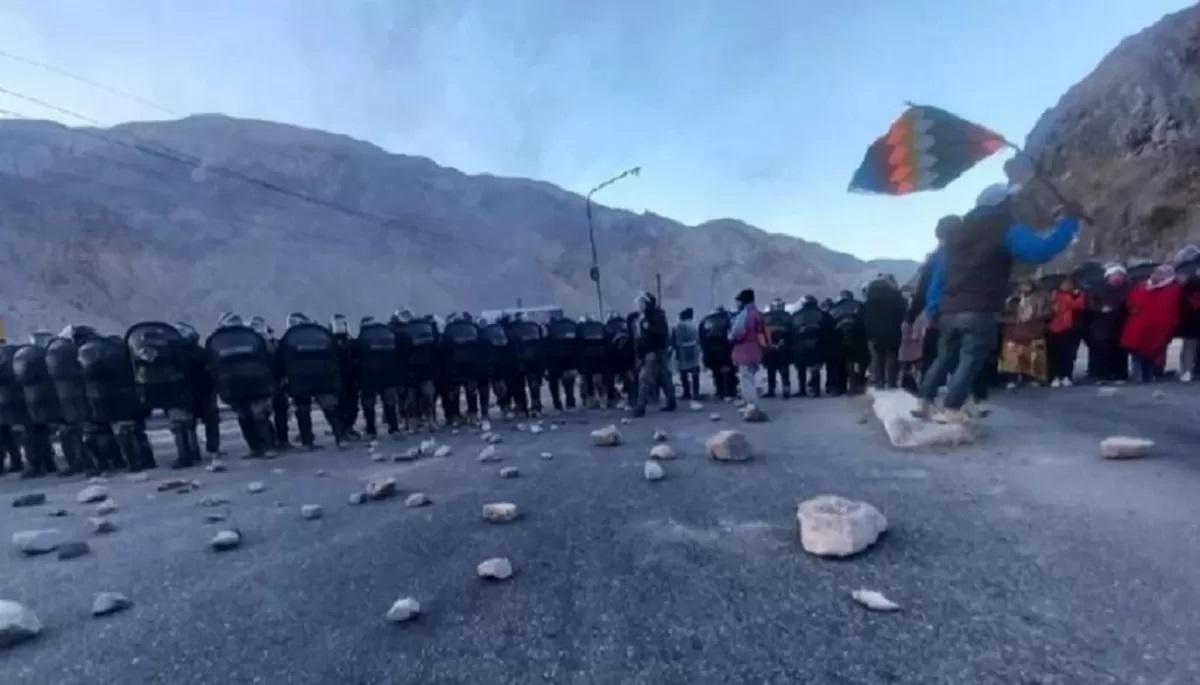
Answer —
749 337
969 288
1106 311
1152 323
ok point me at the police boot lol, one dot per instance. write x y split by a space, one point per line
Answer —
184 458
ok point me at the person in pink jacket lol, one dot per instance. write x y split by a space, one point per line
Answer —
749 337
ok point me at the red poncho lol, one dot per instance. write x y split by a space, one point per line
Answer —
1153 320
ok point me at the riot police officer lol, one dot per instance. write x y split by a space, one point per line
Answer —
310 358
812 330
204 391
622 361
162 371
593 353
279 399
848 354
62 363
114 403
462 366
347 398
245 378
562 360
529 342
419 342
718 352
501 368
378 354
14 415
777 357
45 413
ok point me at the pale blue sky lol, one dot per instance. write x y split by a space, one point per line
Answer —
757 109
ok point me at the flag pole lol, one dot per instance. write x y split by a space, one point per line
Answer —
1039 175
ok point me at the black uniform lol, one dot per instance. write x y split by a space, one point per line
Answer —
310 356
718 352
41 399
562 361
204 393
848 355
529 343
348 393
62 363
378 363
420 343
114 403
883 315
501 368
592 357
245 378
621 361
777 357
14 415
652 337
812 334
462 367
1105 316
162 370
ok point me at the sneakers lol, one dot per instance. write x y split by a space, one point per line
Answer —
1066 383
1055 383
924 410
1186 377
952 417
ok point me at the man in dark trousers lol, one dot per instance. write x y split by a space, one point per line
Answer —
883 315
969 287
651 337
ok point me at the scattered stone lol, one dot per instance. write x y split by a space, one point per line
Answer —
216 466
34 542
1159 394
536 429
172 484
380 488
226 540
547 455
875 601
106 508
695 406
357 498
379 458
494 439
752 414
553 427
625 420
489 454
428 447
659 436
373 444
608 436
140 477
311 512
486 426
653 471
107 603
521 428
729 445
17 623
714 416
417 499
102 526
255 487
1106 392
213 501
510 472
321 473
215 517
278 471
662 452
497 568
97 480
837 527
72 550
410 454
443 451
56 513
1125 447
500 512
92 494
32 499
405 609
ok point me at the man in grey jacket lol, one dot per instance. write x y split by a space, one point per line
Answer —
686 341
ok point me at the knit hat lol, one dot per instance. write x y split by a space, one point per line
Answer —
745 297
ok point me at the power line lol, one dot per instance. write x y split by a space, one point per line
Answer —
95 84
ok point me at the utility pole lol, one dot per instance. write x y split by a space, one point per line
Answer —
594 272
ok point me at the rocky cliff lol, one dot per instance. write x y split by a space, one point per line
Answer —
190 218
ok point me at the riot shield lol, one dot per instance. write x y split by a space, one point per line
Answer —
13 411
310 361
161 365
41 398
378 357
62 362
241 364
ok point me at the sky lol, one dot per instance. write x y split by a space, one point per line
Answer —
755 110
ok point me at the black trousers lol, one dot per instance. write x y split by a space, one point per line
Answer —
330 407
10 449
781 370
390 400
279 417
724 381
562 386
808 379
210 414
1110 362
690 380
1062 350
885 365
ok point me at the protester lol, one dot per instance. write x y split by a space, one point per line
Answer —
910 356
969 288
1153 321
917 305
749 337
1023 355
1189 312
883 316
1106 312
1062 334
686 341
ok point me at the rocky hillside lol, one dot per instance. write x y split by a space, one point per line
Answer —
189 218
1126 141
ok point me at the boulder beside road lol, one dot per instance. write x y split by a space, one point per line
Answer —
17 623
832 526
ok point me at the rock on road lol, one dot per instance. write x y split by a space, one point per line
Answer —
1025 558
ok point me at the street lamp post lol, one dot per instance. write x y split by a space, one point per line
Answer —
594 273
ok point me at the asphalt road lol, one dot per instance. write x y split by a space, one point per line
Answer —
1024 559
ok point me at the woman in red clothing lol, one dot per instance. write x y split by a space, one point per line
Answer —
1062 335
1153 319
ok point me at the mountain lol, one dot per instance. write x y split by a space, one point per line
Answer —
183 220
1126 142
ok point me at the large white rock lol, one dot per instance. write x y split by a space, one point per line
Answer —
608 436
489 454
653 471
106 603
404 609
1125 447
662 452
510 472
497 568
729 445
838 527
17 623
894 410
226 540
311 512
500 512
380 488
92 494
33 542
